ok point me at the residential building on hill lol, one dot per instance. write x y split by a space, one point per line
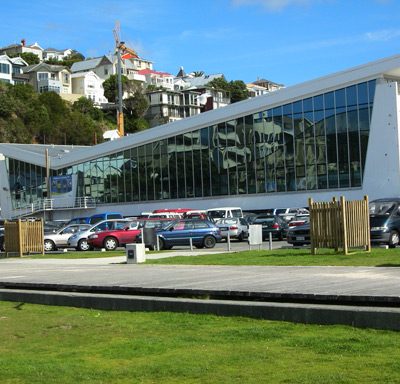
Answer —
15 49
49 78
166 106
11 70
90 85
57 54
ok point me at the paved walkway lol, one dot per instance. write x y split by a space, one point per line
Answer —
357 296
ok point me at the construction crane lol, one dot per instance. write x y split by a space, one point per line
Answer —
123 52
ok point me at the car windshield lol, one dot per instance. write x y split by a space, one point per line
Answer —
228 221
218 214
382 207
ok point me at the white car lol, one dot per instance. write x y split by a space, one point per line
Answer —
59 239
236 227
79 240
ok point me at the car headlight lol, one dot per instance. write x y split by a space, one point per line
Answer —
384 229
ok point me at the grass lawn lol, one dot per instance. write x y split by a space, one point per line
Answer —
287 257
77 255
46 344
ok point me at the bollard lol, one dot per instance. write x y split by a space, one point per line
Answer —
228 240
270 241
191 243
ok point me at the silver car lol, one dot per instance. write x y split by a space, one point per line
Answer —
236 227
79 240
59 239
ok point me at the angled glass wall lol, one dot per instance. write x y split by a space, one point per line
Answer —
317 143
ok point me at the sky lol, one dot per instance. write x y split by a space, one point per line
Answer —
284 41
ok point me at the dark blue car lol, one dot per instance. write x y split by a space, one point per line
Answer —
204 233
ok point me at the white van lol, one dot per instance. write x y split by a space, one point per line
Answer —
224 212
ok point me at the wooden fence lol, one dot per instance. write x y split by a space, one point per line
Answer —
23 237
340 225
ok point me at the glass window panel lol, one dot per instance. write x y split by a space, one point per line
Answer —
188 153
242 154
362 93
181 174
351 97
157 170
173 175
232 156
197 164
164 164
250 157
270 176
260 151
142 173
205 161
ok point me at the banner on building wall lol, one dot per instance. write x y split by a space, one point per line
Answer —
63 190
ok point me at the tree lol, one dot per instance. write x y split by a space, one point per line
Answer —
238 91
237 88
29 57
198 73
111 87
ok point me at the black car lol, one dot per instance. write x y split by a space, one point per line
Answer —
273 224
1 239
299 235
384 221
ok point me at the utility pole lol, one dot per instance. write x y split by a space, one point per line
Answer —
120 112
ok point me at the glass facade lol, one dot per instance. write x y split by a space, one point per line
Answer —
317 143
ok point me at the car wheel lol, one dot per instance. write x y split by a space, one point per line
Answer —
110 243
209 242
83 245
49 245
241 237
394 239
161 243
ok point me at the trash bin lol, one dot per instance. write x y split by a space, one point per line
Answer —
150 238
135 253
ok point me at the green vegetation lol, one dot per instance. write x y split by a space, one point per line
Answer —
28 117
78 255
295 257
45 344
378 257
236 88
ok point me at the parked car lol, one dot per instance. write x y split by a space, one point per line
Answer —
112 239
272 224
59 239
80 220
80 240
2 242
385 221
215 214
203 233
287 214
299 219
236 227
299 235
104 216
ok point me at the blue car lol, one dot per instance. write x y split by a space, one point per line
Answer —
204 233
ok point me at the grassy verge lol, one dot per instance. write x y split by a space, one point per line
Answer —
42 344
287 257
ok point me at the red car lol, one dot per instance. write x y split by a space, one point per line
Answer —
110 240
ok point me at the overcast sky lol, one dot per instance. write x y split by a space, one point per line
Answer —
285 41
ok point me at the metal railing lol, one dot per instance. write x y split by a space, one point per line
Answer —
41 205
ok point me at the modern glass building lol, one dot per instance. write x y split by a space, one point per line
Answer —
328 137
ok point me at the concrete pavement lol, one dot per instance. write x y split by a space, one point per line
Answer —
325 295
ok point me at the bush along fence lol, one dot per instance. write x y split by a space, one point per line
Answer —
23 237
339 225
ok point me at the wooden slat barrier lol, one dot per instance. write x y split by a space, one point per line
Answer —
339 224
23 237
